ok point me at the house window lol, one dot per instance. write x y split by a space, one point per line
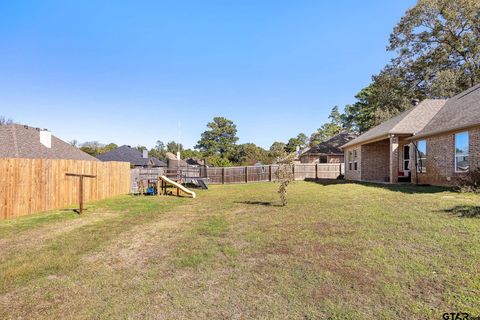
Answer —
355 160
461 152
350 160
323 159
421 156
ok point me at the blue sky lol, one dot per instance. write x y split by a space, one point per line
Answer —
129 71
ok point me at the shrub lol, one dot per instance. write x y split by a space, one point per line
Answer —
471 181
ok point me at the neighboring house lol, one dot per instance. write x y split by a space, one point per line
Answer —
382 153
173 162
136 158
449 145
21 141
328 151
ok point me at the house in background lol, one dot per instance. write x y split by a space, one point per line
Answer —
174 162
136 158
328 151
449 145
21 141
382 154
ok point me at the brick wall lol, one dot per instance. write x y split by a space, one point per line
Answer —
474 145
441 159
309 159
375 161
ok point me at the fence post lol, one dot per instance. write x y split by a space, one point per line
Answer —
246 174
316 171
270 173
223 175
293 171
340 169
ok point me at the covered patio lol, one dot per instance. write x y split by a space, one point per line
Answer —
386 160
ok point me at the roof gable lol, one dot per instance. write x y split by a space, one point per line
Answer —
409 122
461 111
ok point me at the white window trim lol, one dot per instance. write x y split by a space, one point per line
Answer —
455 155
407 159
350 160
355 160
421 160
458 156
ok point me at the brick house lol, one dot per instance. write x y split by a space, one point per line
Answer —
449 145
328 151
382 154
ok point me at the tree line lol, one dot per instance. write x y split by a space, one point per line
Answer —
218 144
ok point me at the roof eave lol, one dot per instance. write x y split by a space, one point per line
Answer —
374 139
441 131
322 154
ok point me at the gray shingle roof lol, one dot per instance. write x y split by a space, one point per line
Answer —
20 141
331 146
409 122
132 155
461 111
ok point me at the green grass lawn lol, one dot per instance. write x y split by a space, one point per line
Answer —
346 251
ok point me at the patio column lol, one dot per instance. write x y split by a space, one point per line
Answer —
393 159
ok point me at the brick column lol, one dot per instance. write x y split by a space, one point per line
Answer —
393 159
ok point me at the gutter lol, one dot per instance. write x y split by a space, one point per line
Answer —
441 131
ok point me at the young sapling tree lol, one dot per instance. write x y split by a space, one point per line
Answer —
284 175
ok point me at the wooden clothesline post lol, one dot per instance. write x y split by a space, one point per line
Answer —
80 188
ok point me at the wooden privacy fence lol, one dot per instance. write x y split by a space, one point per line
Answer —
33 185
248 174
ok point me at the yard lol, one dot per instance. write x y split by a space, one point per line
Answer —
349 251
